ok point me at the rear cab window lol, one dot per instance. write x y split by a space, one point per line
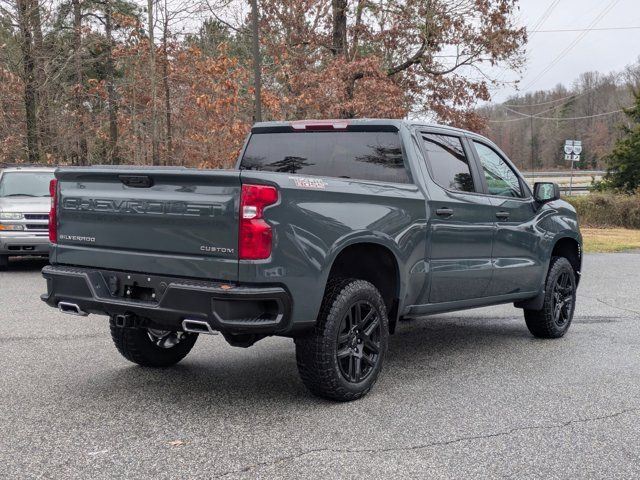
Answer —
355 154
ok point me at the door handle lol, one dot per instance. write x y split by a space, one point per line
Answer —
444 212
502 215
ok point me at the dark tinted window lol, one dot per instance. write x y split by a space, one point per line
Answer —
501 180
449 164
359 155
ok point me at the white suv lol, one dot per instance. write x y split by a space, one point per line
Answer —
24 211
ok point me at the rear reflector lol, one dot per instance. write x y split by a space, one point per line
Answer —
254 241
53 212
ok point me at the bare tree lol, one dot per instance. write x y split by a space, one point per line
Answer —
81 142
24 12
155 154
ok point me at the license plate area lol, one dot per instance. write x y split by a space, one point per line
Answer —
141 288
140 293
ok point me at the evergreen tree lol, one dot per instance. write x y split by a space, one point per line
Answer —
623 163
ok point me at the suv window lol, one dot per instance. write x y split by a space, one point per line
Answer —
449 164
351 154
501 179
27 184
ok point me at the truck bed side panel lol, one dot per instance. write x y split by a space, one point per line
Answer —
318 217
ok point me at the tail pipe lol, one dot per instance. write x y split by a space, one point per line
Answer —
197 326
71 309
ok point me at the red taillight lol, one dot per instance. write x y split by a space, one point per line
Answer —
53 213
254 241
320 124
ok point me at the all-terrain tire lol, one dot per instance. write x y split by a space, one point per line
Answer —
317 352
135 345
544 323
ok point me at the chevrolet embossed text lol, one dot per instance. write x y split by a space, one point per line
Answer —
151 207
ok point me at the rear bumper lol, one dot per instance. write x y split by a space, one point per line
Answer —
165 302
24 243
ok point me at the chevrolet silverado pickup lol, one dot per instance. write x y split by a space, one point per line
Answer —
327 232
24 211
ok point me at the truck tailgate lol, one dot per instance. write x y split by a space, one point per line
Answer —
172 221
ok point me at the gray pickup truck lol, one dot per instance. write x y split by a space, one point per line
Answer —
328 232
24 211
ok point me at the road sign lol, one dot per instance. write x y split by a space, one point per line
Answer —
568 147
577 147
572 151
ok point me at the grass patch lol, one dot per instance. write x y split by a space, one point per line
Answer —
610 239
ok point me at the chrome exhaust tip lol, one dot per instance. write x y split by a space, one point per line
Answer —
71 309
197 326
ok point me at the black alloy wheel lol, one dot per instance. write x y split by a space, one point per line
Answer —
559 302
359 342
563 299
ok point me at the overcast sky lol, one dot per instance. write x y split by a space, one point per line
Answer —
604 51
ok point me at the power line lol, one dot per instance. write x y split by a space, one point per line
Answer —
543 18
584 29
560 119
577 40
572 96
533 115
545 15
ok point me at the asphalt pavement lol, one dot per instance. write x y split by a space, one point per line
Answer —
462 395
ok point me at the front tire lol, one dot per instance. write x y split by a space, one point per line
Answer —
554 319
343 355
150 347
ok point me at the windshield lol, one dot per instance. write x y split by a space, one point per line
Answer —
27 184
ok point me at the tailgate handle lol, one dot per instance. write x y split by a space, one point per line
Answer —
136 181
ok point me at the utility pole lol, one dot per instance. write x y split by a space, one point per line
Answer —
533 167
257 64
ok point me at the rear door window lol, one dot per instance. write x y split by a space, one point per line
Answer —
448 162
352 154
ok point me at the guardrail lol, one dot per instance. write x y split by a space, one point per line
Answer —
567 173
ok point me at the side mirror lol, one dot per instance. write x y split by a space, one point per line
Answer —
546 191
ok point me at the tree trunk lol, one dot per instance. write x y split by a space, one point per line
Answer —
339 27
257 62
42 97
29 79
165 83
155 157
81 151
112 106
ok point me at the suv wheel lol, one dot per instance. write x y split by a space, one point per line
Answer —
150 347
554 319
342 357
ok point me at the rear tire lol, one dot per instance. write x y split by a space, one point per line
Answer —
343 355
554 319
151 348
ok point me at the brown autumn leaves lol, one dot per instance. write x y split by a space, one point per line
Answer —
321 59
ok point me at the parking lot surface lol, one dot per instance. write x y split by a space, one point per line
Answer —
468 394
